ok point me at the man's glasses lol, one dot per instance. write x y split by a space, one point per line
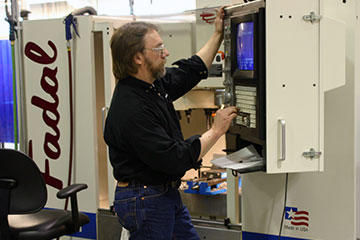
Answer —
160 50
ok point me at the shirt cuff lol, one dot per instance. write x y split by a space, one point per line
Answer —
195 150
204 71
196 63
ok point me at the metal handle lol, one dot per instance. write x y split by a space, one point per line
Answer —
103 116
282 125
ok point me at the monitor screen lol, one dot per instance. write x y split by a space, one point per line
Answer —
245 46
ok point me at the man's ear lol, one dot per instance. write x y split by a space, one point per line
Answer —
139 58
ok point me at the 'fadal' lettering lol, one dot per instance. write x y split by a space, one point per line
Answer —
50 114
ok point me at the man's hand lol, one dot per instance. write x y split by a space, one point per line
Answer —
221 124
209 50
219 21
223 119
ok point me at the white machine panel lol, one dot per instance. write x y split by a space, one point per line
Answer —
46 78
53 119
281 104
292 89
178 40
326 199
295 88
332 53
296 85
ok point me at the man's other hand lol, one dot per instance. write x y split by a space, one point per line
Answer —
223 118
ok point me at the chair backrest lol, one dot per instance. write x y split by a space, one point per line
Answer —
30 194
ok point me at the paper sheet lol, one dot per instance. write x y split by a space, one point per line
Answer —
245 158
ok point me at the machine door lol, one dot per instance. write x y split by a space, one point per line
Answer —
292 88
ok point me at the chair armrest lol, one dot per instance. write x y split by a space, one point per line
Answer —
70 190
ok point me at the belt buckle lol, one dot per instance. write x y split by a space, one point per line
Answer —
122 184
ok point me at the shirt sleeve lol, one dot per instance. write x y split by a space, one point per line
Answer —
150 142
187 75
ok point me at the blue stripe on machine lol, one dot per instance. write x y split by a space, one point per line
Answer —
89 230
260 236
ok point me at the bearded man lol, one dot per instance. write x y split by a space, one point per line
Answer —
146 147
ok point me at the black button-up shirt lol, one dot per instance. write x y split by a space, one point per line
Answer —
143 131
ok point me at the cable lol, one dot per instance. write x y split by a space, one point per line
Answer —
70 21
283 214
71 121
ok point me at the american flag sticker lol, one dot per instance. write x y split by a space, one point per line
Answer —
297 217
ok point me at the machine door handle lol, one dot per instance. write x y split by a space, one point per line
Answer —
282 135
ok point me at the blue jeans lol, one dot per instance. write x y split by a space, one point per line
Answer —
153 212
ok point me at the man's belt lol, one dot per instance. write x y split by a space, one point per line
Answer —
172 184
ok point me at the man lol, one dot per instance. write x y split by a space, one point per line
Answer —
146 146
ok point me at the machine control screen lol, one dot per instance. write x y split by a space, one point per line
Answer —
245 46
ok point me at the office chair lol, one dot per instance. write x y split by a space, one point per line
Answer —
23 195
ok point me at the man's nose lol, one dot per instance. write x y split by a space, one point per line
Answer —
166 52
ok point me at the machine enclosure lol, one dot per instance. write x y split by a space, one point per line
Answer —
296 60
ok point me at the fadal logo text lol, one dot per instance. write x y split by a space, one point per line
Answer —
50 113
297 220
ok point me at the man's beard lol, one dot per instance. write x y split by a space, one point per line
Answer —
156 72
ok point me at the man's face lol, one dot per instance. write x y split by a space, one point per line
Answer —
155 54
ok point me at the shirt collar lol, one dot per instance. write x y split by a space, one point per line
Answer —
148 87
135 82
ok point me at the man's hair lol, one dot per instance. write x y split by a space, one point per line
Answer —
125 43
